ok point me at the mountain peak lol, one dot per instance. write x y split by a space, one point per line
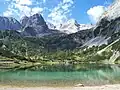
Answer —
37 15
34 24
38 18
35 19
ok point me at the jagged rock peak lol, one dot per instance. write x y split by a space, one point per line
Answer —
38 19
35 25
35 19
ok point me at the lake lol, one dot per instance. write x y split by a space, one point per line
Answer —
63 75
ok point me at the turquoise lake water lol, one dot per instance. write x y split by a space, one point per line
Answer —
63 75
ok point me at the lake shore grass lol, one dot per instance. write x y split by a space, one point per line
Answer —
104 87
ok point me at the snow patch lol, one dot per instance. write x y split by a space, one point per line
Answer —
71 26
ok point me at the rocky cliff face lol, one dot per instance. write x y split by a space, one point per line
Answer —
108 27
105 32
33 21
9 23
36 26
109 24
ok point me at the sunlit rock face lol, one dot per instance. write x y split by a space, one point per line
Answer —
9 23
113 10
24 21
70 26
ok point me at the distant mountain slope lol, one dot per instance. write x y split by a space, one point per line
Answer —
9 23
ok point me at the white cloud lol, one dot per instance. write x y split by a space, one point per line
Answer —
68 1
23 2
61 12
23 10
57 14
27 11
7 13
96 12
44 1
20 8
36 10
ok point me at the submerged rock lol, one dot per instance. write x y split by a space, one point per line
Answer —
79 85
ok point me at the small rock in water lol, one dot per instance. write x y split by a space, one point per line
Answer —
79 85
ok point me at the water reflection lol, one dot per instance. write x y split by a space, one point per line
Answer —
57 75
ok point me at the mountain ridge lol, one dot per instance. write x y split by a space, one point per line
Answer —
37 25
81 46
9 23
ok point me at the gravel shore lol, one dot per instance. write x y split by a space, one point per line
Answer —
105 87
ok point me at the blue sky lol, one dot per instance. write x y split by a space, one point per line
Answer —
82 6
56 11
